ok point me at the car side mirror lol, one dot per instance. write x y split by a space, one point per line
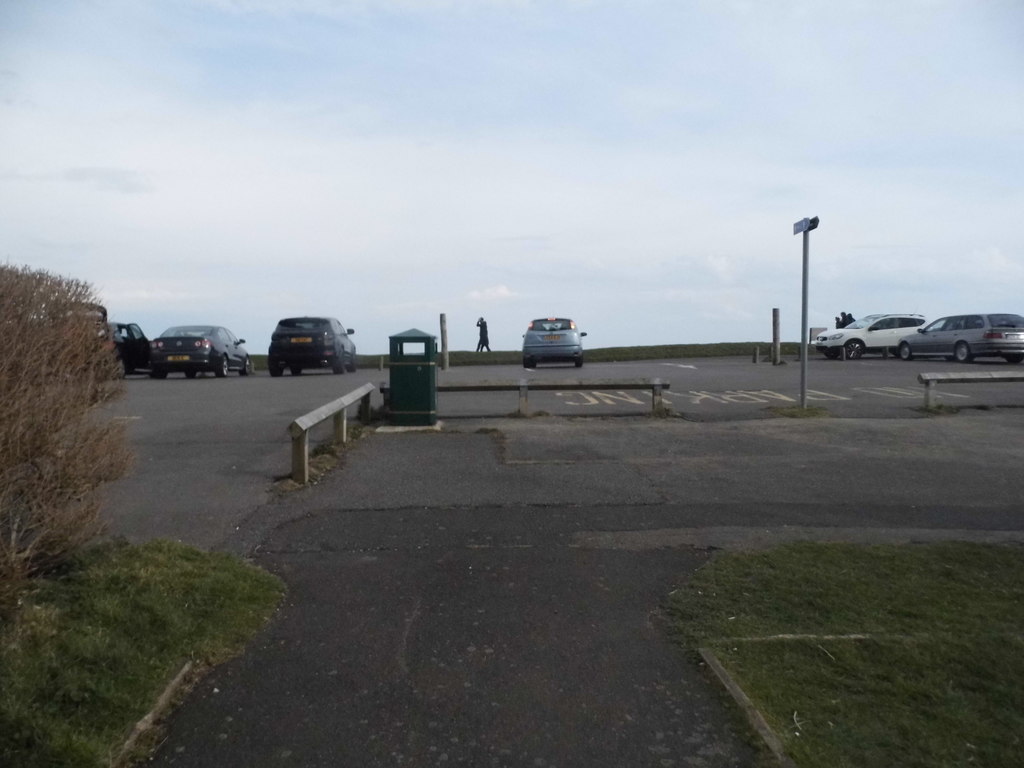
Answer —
350 330
240 341
582 334
920 330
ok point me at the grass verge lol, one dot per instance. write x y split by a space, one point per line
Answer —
872 656
88 651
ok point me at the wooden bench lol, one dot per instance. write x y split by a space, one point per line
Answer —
931 379
523 386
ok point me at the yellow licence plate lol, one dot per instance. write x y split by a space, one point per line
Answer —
554 337
178 358
301 340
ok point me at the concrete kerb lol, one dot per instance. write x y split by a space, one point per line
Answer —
754 716
389 429
163 703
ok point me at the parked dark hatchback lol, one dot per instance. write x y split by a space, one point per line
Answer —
131 345
311 342
191 349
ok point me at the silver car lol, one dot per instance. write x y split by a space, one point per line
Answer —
552 339
965 337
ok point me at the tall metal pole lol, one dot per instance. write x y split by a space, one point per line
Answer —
804 325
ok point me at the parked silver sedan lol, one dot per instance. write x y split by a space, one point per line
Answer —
965 337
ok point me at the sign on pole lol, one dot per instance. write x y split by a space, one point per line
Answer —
805 226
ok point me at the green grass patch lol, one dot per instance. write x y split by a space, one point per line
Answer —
88 651
872 656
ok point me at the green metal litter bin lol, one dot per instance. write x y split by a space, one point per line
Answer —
413 366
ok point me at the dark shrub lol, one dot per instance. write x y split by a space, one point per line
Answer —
57 443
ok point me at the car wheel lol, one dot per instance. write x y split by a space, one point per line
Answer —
1014 358
529 362
190 374
275 370
246 368
338 365
854 349
352 364
962 352
579 362
158 374
295 369
905 352
832 353
222 371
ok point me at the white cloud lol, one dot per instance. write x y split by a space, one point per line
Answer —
494 293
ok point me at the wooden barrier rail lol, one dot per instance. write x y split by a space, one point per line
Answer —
931 379
523 386
299 429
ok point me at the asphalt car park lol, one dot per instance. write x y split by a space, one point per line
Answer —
213 444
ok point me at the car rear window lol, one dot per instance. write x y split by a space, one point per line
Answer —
302 324
189 330
548 324
1006 321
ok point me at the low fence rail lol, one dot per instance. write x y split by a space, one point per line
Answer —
930 380
523 387
299 429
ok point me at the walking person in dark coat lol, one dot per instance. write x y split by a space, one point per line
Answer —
484 342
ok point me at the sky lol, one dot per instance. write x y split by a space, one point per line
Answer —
636 165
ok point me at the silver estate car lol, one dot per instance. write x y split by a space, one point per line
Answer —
554 340
965 337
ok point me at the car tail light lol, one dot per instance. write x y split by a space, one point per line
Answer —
993 335
572 325
155 344
203 343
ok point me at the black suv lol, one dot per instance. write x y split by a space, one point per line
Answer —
311 342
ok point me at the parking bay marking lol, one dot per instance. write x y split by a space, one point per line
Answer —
696 397
730 396
900 392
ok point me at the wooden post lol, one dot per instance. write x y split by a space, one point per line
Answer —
776 343
341 426
300 457
365 409
757 354
444 342
656 401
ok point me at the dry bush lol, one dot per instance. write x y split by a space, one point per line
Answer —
56 444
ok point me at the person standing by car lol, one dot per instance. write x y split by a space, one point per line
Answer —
484 342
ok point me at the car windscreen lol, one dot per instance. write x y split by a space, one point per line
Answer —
189 330
864 322
1006 321
302 324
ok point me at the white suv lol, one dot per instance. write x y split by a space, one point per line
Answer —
872 333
